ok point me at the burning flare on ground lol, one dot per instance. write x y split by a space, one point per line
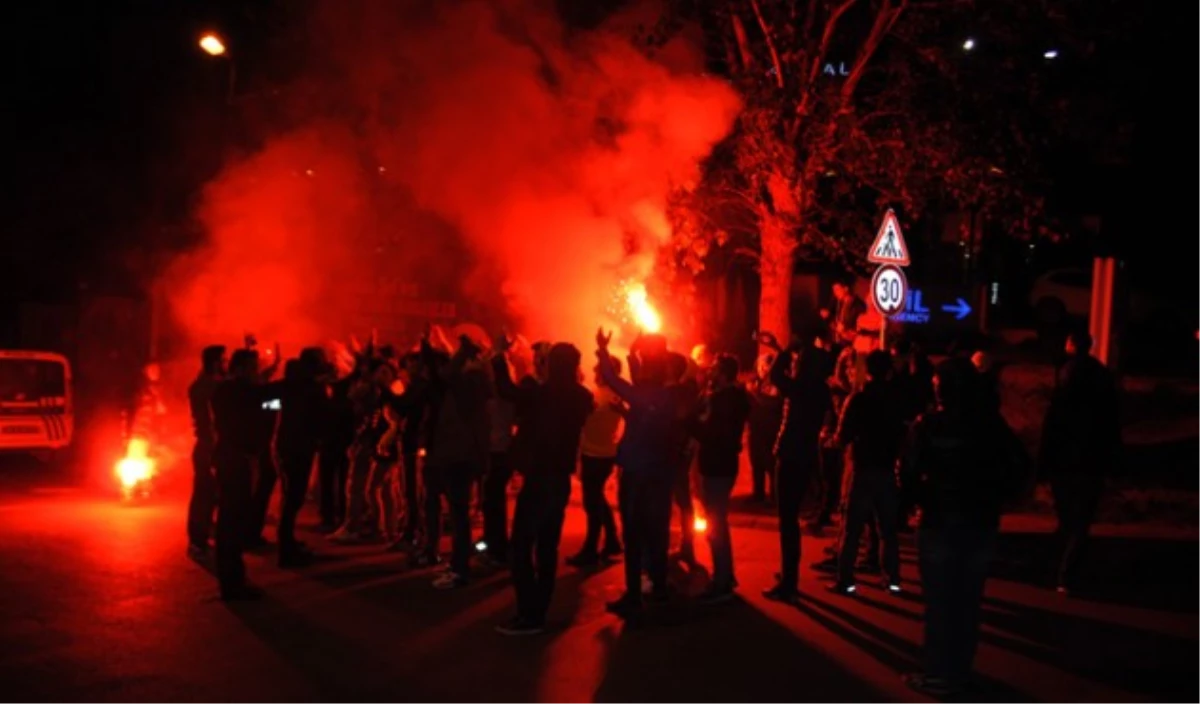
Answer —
136 467
641 310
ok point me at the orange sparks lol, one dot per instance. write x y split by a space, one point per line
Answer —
644 314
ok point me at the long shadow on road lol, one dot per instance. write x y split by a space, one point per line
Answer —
1161 665
730 652
891 650
1150 573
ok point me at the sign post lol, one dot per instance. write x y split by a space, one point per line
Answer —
889 286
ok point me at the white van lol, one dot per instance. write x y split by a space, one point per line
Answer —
36 410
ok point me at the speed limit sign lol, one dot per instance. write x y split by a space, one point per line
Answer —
889 289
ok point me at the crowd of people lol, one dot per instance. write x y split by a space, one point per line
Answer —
882 434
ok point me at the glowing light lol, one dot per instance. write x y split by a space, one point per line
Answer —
136 466
700 524
969 44
641 309
212 45
1051 54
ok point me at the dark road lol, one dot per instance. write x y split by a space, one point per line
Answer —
102 604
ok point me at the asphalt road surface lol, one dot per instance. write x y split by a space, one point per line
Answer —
100 603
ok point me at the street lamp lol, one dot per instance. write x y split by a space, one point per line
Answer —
1051 54
211 44
969 44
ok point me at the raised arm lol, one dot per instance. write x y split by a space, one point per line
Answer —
620 387
506 388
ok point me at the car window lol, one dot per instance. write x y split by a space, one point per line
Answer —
1077 279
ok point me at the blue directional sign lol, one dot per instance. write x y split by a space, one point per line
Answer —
960 309
946 309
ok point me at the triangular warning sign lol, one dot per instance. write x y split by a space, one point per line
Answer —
889 246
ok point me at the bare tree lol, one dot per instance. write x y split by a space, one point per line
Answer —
854 106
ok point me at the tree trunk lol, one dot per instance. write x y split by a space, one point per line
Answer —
775 271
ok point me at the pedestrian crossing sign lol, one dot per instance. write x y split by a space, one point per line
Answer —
889 246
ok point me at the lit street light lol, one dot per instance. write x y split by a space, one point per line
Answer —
969 44
212 44
1051 54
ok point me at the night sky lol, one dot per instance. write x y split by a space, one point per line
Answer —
115 118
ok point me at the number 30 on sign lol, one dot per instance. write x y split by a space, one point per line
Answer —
889 290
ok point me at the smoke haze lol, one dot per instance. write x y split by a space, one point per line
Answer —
482 153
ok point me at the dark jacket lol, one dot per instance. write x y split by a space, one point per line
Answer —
340 422
766 408
1082 431
806 401
914 388
551 416
872 426
458 423
966 467
238 416
720 431
304 411
645 447
687 394
200 394
523 444
412 406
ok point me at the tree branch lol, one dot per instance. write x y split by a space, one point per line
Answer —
884 21
815 65
762 23
739 33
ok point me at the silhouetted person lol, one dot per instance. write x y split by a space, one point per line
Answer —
553 414
237 412
504 416
646 470
967 464
266 474
598 456
367 395
302 413
204 481
841 386
412 406
797 451
383 488
1081 446
989 377
687 392
872 427
766 415
718 426
843 319
334 462
457 452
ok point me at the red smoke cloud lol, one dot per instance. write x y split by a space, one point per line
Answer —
495 157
